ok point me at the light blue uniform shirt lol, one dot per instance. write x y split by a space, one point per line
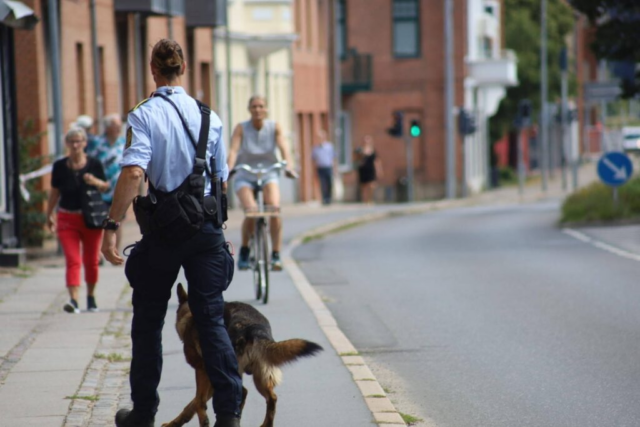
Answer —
159 144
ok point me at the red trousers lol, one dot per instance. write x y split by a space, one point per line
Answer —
72 234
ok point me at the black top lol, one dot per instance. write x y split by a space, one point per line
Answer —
69 181
367 168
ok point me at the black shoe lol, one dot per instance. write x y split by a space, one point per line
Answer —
243 258
276 264
91 304
129 418
227 422
71 306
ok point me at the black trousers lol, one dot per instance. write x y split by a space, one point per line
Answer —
152 269
325 175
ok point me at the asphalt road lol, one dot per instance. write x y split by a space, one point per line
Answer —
487 316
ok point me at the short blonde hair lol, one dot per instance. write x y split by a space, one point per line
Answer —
75 131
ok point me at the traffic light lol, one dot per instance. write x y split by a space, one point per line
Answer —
396 130
524 113
415 130
466 123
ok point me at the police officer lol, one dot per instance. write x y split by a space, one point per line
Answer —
157 144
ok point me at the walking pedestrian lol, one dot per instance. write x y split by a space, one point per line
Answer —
323 156
108 148
70 177
161 135
369 169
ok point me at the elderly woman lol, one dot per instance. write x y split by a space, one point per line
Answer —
70 175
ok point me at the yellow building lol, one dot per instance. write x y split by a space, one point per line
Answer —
258 48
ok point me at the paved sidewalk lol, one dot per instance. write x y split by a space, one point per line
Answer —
58 369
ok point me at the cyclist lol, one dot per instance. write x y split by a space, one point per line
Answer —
254 142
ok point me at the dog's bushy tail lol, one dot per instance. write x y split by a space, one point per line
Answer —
279 353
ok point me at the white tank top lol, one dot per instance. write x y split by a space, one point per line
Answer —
258 146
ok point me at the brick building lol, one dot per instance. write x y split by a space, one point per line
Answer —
393 59
312 90
125 34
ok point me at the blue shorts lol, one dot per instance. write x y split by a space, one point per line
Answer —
246 180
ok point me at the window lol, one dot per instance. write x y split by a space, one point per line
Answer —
82 105
406 29
341 33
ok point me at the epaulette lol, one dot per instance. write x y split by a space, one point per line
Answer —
139 104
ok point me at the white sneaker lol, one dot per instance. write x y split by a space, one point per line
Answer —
71 306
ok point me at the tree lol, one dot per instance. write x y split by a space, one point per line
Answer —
522 35
617 36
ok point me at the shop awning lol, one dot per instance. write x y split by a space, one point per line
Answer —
16 14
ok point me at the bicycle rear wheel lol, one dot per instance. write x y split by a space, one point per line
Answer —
261 232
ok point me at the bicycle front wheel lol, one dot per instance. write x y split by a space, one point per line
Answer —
263 250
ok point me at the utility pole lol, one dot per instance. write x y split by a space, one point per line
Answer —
227 51
544 91
337 83
449 99
54 48
96 69
169 20
564 121
139 57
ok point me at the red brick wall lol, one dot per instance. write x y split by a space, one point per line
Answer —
31 85
310 85
415 85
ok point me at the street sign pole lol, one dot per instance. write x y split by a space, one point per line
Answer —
408 143
520 162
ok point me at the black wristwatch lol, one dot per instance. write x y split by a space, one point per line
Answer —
110 224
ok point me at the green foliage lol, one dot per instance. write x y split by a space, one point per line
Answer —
594 203
617 37
522 35
31 215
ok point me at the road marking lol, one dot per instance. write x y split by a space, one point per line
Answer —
601 245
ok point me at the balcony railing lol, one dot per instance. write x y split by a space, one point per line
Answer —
356 72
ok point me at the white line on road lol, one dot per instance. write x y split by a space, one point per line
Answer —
601 245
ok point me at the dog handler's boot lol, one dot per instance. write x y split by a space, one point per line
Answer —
227 422
129 418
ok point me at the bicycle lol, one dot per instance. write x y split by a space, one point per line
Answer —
259 243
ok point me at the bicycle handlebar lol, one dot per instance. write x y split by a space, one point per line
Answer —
259 170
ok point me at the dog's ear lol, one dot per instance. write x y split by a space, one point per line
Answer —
182 294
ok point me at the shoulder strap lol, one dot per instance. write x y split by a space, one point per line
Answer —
200 164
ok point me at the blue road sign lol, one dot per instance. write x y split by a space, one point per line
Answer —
615 168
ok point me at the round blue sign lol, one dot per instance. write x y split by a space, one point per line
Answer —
615 168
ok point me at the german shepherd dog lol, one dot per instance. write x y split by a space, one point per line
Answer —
257 352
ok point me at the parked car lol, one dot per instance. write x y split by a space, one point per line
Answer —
631 139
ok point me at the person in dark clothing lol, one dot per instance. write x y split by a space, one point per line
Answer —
68 178
369 169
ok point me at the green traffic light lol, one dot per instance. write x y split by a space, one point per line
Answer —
415 131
